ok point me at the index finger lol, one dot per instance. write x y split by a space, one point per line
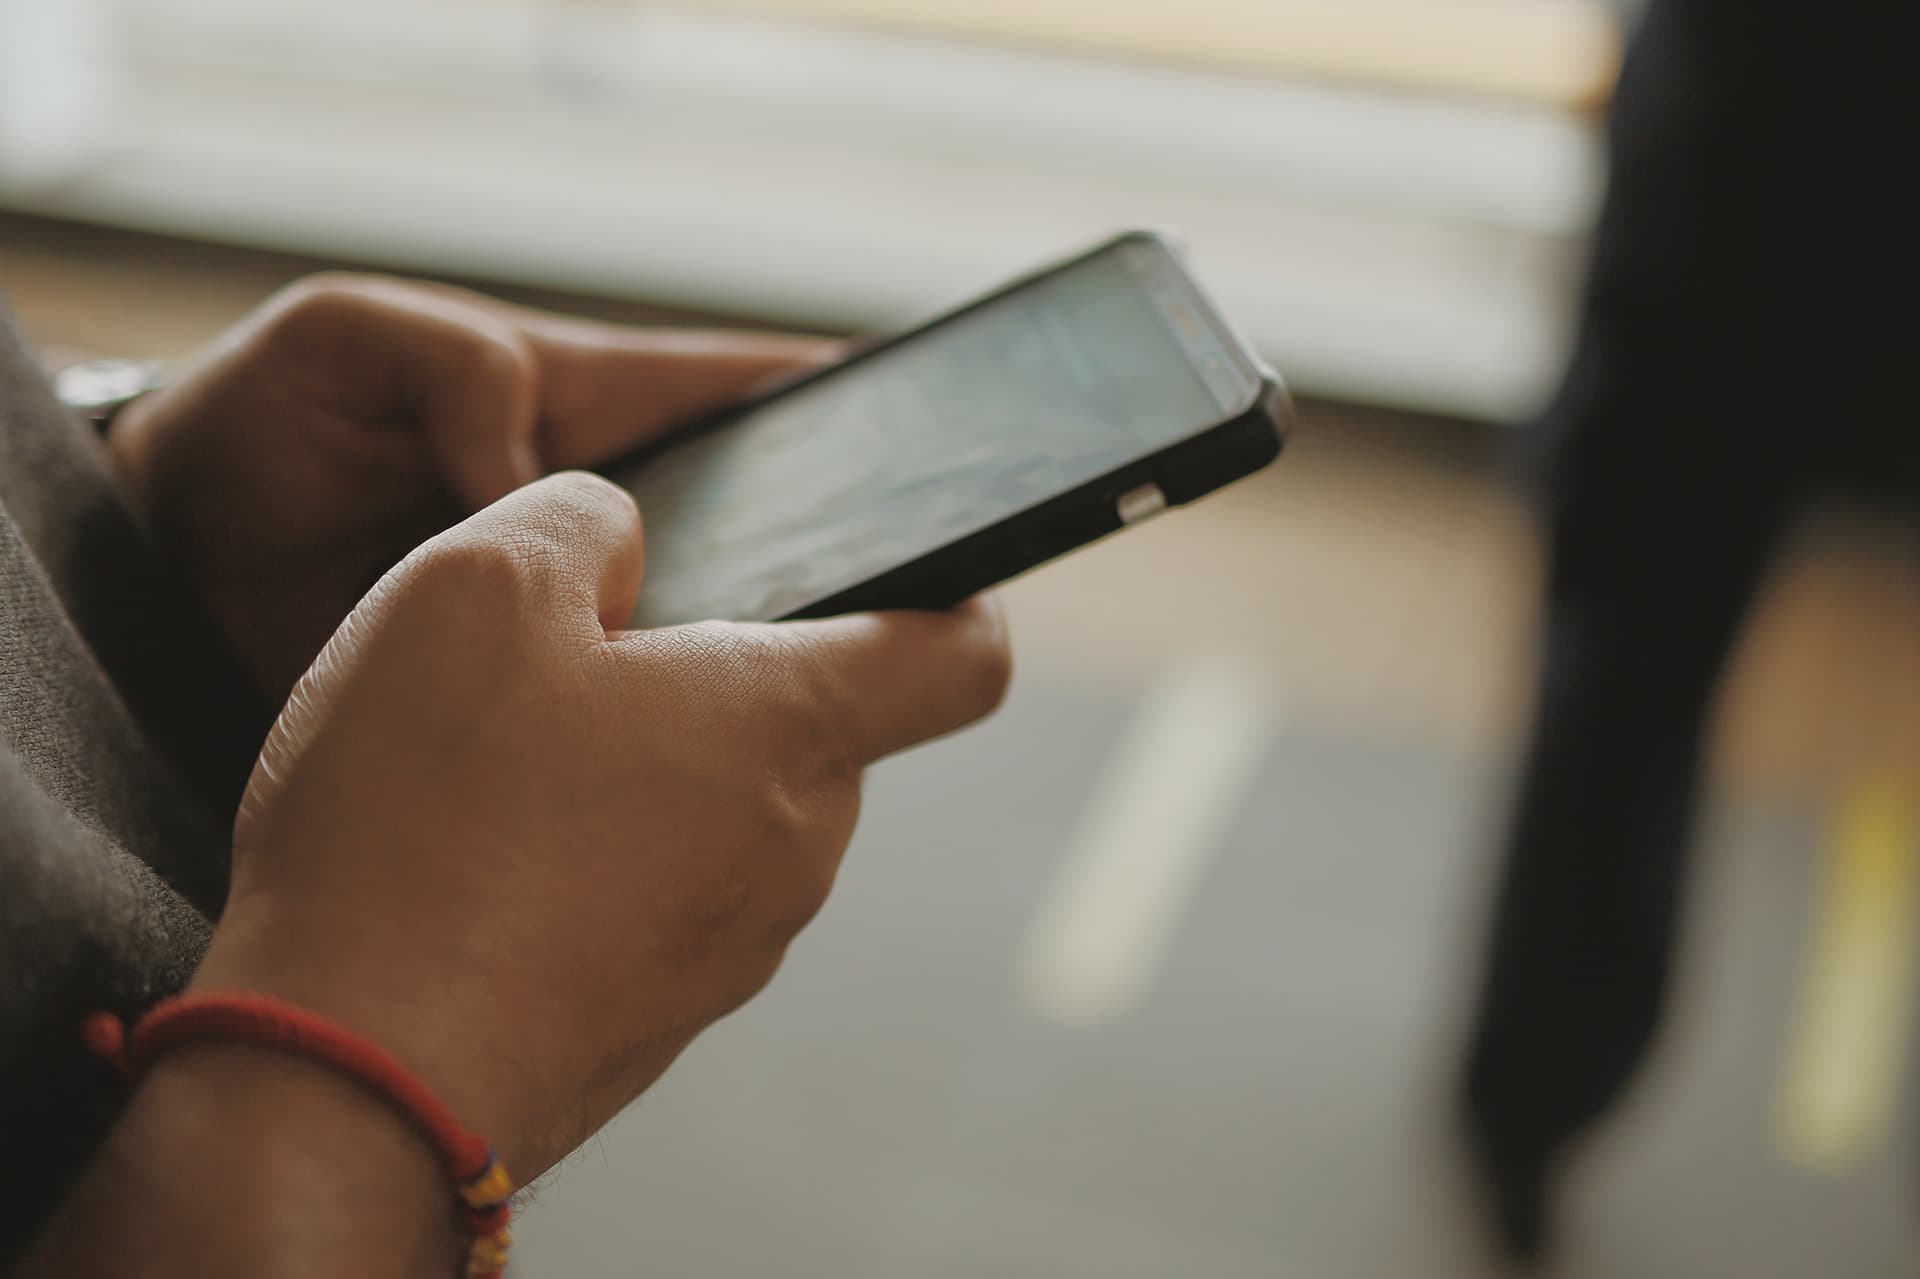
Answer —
605 390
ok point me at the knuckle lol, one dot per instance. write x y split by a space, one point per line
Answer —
509 549
815 721
492 354
583 495
816 734
319 300
466 573
781 819
800 831
563 507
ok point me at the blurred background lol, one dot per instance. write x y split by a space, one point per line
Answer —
1162 971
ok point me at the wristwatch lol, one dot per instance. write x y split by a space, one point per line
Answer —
99 389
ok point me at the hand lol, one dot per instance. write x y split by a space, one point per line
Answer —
350 418
533 856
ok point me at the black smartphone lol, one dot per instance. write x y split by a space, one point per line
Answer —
934 463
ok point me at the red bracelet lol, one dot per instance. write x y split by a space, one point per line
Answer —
481 1180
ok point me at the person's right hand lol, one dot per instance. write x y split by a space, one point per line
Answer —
532 855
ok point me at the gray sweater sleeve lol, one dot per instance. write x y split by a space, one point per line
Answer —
126 734
84 925
129 604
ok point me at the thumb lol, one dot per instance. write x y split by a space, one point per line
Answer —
885 681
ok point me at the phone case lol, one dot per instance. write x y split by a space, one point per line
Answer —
1190 468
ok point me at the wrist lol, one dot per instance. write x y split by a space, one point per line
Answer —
233 1159
429 1030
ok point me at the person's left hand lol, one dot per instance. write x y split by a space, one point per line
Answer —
350 418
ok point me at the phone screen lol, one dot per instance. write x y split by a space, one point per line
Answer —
839 479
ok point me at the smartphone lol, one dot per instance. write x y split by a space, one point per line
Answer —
932 464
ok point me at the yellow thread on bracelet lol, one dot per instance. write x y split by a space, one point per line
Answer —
488 1256
489 1188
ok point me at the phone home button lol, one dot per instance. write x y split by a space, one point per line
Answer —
1138 505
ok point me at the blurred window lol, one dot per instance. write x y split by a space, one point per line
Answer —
1390 195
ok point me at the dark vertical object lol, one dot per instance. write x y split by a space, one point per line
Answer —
1745 334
